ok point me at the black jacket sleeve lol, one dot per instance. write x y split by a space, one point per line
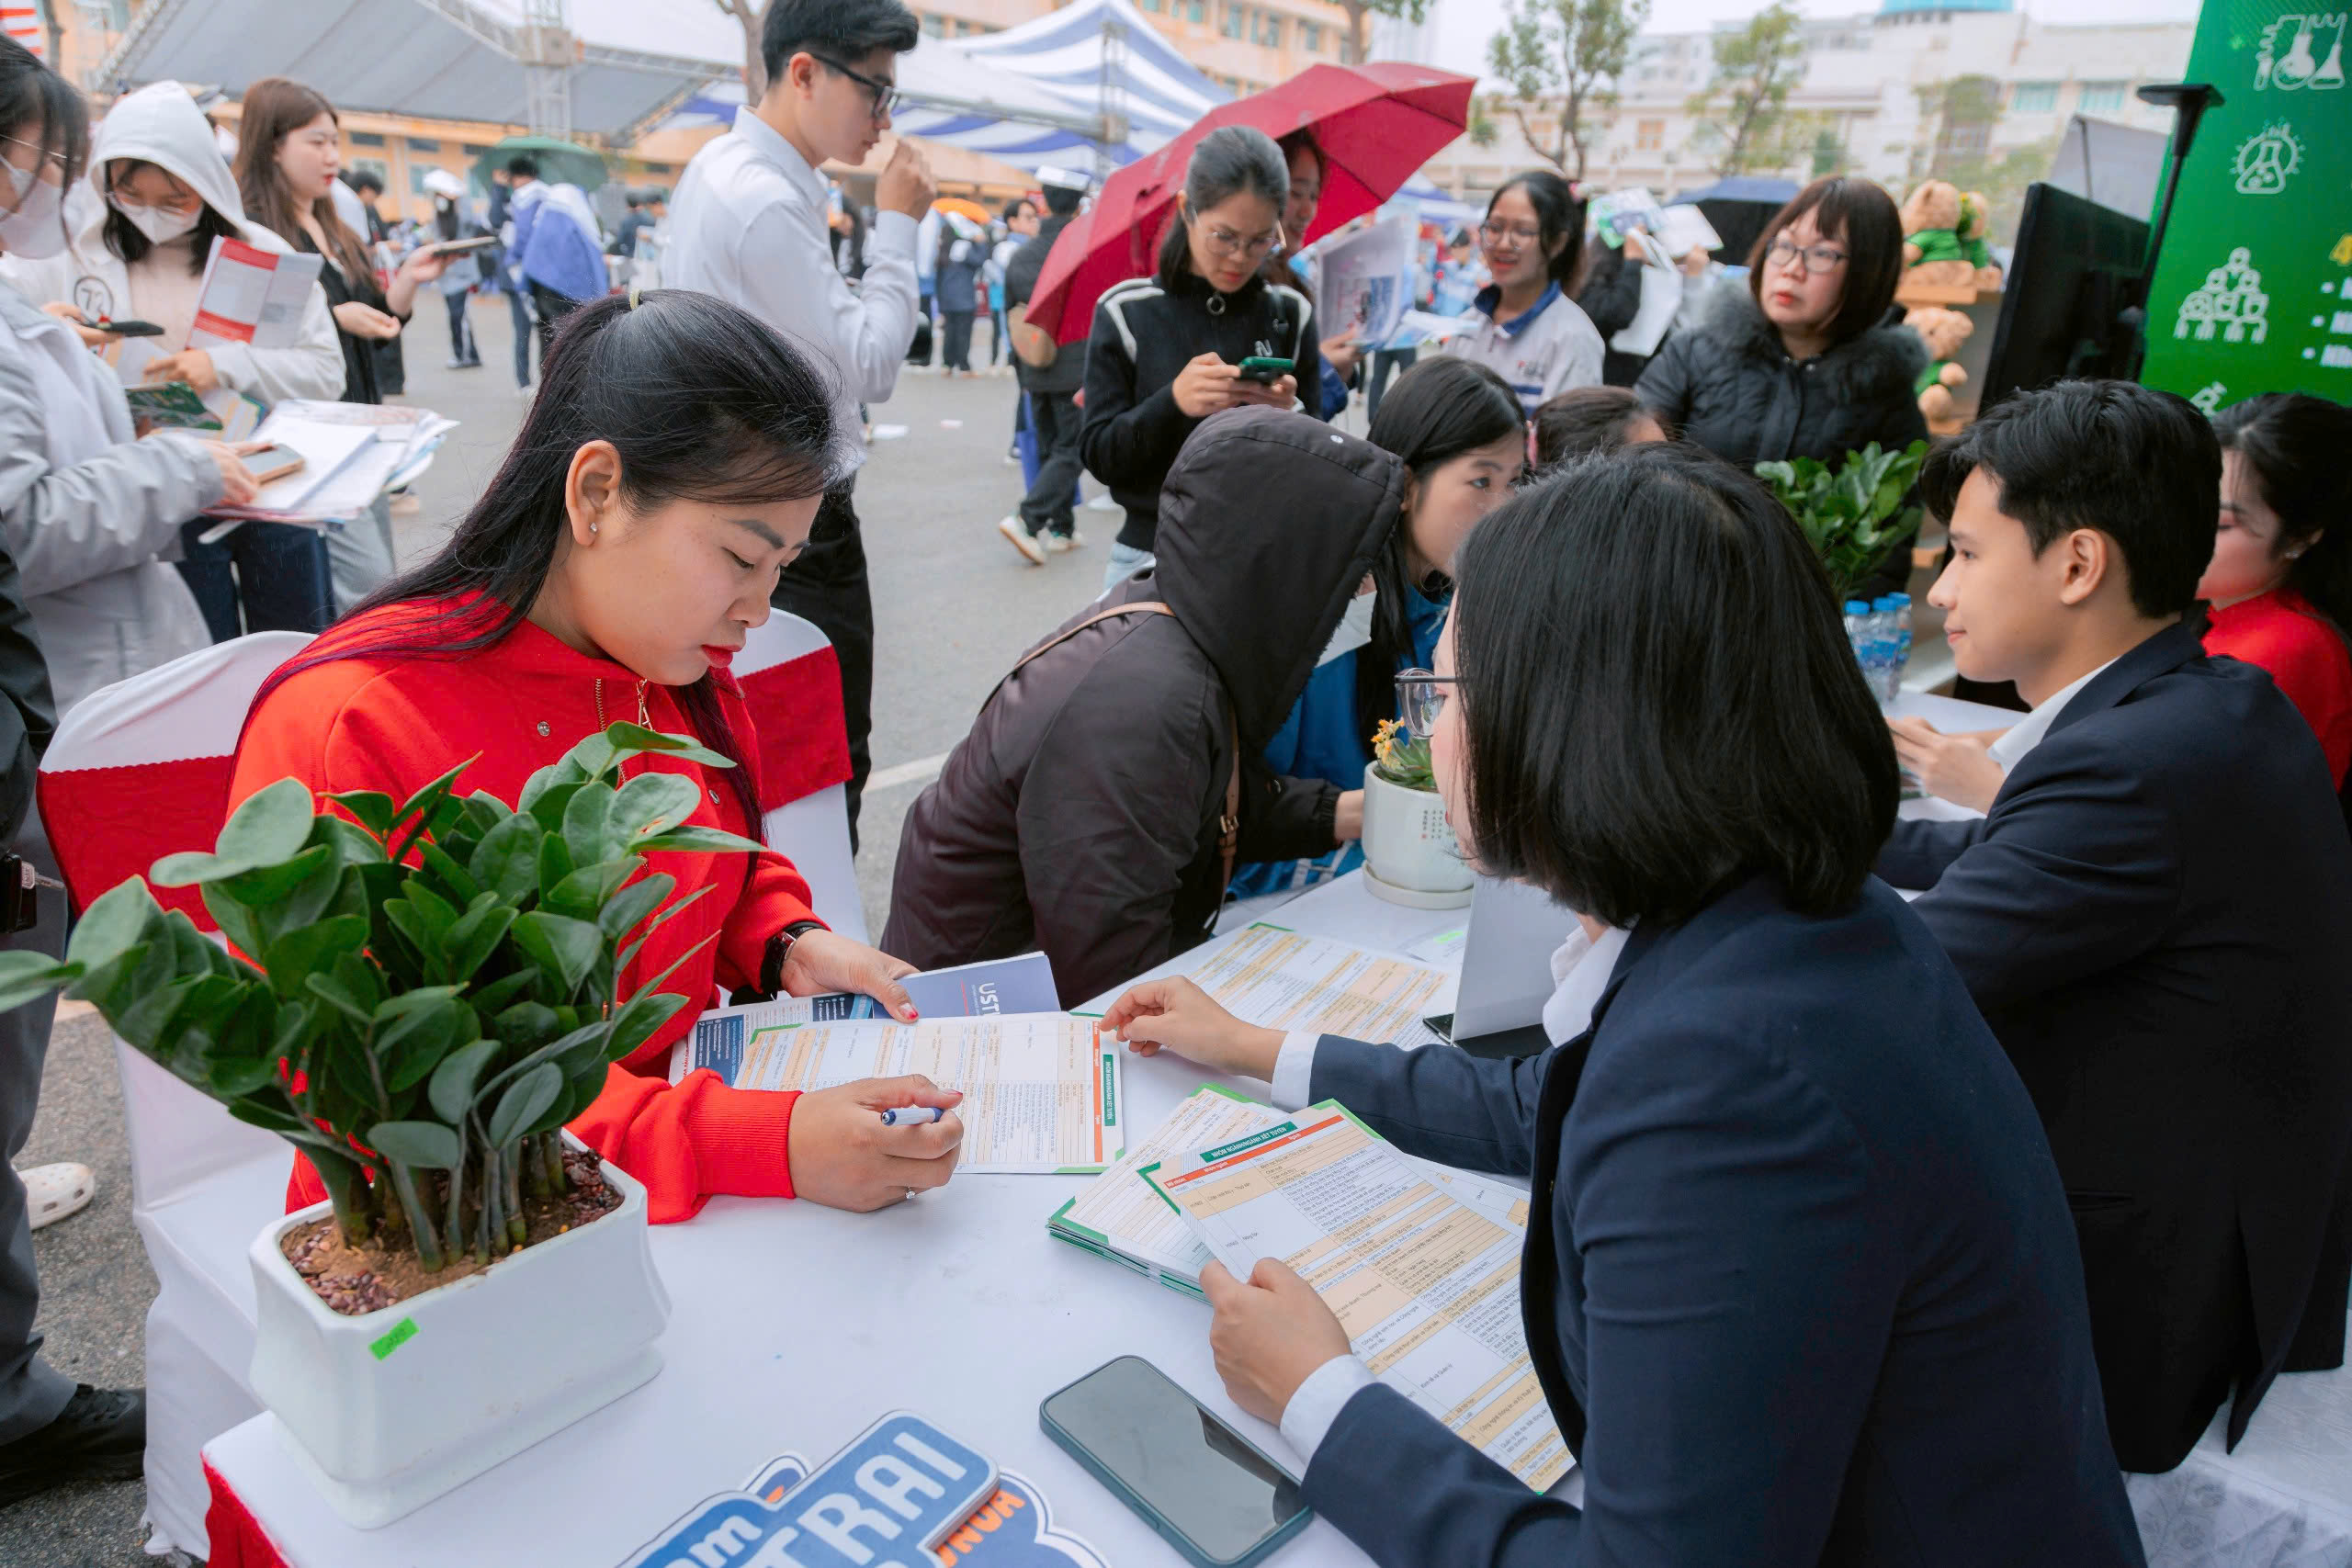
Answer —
1284 817
29 717
1132 434
1669 383
1613 296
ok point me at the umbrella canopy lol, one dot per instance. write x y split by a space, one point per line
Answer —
561 163
1376 124
963 205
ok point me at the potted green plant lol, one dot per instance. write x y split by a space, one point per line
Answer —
1410 852
435 998
1852 514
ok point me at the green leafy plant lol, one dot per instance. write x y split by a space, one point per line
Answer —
1401 757
436 990
1853 514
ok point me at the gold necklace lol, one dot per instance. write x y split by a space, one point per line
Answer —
644 714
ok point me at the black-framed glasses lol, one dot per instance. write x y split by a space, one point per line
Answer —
1420 698
1783 252
886 94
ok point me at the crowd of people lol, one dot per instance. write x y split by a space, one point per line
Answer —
1865 1231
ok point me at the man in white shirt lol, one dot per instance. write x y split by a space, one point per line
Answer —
750 226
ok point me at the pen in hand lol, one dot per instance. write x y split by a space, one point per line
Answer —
912 1115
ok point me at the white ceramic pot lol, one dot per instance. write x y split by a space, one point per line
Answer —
388 1410
1410 855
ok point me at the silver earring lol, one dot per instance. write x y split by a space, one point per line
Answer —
591 527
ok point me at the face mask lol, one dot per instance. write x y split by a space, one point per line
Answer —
32 230
160 226
1355 628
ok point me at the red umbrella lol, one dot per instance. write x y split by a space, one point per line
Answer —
1376 125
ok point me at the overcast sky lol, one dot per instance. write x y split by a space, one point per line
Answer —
1465 26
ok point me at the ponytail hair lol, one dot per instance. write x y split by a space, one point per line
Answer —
1229 161
702 401
1558 216
2294 446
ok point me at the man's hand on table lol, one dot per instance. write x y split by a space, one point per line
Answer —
1178 1015
1271 1331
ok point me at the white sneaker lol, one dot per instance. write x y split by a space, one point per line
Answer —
1017 535
1061 543
53 1193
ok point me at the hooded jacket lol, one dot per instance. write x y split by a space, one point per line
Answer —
1730 385
161 125
1269 521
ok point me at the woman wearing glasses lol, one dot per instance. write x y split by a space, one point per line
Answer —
1166 351
1528 330
1804 362
1799 1284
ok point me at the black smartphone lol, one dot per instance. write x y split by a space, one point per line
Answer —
1263 370
125 328
1200 1483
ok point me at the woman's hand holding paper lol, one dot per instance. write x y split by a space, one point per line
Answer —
1270 1332
1177 1014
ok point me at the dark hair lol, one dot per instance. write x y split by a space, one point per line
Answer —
702 401
524 165
274 107
32 96
125 239
1438 410
2140 466
1013 207
1228 160
846 30
1659 698
1862 218
1062 202
1587 419
364 180
1558 214
2295 446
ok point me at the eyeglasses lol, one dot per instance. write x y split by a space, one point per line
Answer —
1497 234
64 170
1420 698
1785 251
886 94
1224 241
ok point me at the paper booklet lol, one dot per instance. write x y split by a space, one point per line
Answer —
351 453
1042 1095
1122 1217
969 990
1426 1286
253 296
1280 979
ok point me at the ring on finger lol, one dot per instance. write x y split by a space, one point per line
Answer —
910 1197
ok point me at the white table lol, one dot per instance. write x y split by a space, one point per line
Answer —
794 1326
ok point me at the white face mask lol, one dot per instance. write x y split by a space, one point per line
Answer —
1355 627
33 230
160 226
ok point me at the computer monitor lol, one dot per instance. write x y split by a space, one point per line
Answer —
2075 267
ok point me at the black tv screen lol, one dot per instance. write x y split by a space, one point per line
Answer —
2074 271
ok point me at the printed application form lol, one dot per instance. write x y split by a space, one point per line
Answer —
1279 979
1041 1094
1426 1286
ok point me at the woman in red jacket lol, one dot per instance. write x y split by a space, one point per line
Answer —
668 469
2281 580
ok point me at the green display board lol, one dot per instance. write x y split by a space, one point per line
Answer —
2254 290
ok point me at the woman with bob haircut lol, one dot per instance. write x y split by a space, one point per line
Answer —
1800 1284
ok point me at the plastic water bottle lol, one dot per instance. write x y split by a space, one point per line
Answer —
1902 603
1858 617
1884 671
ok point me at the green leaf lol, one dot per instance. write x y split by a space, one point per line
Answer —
268 830
371 808
268 1117
653 801
476 936
27 976
429 795
451 1091
549 808
267 885
453 881
425 1144
640 1021
705 840
555 861
115 919
525 1023
230 1078
299 956
632 740
565 770
633 903
565 949
525 1102
590 833
621 962
582 896
239 925
507 862
490 1000
332 991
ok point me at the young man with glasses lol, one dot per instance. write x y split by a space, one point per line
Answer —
750 226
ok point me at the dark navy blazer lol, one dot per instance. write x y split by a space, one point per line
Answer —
1798 1274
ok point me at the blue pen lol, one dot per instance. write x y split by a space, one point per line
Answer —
912 1115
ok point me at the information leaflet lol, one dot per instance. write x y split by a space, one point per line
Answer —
1279 979
1426 1286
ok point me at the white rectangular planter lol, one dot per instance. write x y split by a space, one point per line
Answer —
390 1410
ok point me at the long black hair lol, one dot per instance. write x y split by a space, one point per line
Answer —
1228 160
2295 445
1558 216
37 105
1438 410
702 401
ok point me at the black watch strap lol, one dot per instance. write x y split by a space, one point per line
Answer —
780 948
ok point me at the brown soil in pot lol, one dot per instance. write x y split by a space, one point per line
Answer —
354 1280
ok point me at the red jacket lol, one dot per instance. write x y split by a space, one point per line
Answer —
396 722
2306 656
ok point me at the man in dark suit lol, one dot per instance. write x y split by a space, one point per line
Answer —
2154 915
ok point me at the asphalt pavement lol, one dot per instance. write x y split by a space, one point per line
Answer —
953 606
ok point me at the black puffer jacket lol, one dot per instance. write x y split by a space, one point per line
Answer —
1145 331
1080 815
1730 385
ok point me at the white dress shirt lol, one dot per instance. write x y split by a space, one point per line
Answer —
748 225
2026 733
1581 967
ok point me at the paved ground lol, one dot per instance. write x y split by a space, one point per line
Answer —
953 605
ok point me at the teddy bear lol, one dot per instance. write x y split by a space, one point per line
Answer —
1976 223
1932 251
1944 332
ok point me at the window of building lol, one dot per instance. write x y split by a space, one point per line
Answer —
475 149
1269 29
1236 21
1195 11
2096 96
2033 97
1649 135
1310 37
934 24
374 166
423 144
1151 5
365 139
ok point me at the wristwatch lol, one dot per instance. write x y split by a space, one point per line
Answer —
779 948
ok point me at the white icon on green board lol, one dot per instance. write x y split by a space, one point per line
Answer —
2302 49
2232 303
2266 159
2208 397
